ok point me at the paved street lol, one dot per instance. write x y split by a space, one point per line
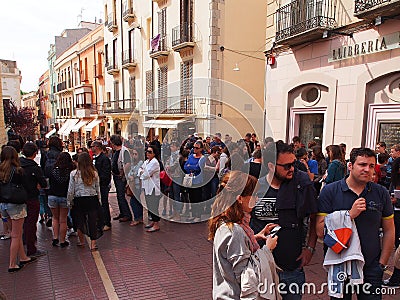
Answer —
174 263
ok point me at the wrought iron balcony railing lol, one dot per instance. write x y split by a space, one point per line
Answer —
111 22
128 57
61 86
182 34
171 105
375 7
112 65
161 46
128 14
120 106
303 16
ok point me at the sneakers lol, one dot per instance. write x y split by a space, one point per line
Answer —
71 232
38 253
65 244
388 283
55 242
106 228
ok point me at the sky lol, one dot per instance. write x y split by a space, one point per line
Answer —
29 27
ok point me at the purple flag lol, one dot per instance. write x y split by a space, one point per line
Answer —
155 42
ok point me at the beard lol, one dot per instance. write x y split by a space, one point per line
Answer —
281 177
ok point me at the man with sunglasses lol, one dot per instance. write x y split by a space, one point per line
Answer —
286 197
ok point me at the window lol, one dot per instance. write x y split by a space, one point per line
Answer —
149 89
106 54
162 88
132 87
131 45
116 90
186 88
162 29
114 55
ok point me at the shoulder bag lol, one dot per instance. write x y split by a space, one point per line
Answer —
12 192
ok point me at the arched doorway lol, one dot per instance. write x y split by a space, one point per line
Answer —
117 126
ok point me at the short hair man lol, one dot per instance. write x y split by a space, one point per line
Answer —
370 207
103 166
34 178
287 196
296 142
120 165
380 147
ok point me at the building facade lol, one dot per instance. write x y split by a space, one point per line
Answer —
165 61
79 90
31 100
332 71
11 81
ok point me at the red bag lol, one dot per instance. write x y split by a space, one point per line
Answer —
165 179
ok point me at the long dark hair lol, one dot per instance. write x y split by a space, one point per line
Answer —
229 210
64 162
9 159
336 153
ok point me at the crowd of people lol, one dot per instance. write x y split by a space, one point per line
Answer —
287 194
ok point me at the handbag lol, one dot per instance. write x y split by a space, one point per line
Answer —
128 190
165 179
12 192
188 180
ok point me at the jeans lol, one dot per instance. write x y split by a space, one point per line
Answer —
293 283
124 210
397 227
372 283
32 207
137 209
104 189
176 194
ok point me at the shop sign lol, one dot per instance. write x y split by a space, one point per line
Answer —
380 44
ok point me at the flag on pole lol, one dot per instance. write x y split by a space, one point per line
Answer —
155 42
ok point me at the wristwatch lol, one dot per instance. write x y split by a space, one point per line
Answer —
383 267
312 250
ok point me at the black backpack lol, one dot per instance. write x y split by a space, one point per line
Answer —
49 165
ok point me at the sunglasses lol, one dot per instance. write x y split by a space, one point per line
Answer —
149 151
287 167
196 147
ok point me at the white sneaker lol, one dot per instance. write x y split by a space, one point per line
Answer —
106 228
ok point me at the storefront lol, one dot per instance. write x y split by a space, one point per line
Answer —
340 90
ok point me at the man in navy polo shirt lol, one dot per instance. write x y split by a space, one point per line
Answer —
370 206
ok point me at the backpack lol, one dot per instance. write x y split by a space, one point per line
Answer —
49 164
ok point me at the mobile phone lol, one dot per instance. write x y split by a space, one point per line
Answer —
274 231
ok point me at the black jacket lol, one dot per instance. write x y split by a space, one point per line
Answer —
33 175
103 166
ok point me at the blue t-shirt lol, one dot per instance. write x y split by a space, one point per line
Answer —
313 166
338 196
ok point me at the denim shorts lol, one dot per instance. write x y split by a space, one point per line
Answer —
13 211
55 201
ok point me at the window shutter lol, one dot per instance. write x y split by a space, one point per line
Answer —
149 89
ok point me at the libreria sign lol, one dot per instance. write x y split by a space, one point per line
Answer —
380 44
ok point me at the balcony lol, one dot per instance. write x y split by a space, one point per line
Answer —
370 9
98 70
112 66
126 106
302 21
182 37
128 14
111 23
61 86
160 48
178 105
128 59
83 110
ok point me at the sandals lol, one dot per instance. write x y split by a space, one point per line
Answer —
135 223
95 248
13 270
152 229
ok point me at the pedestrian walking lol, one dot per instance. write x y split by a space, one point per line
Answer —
84 197
11 172
233 240
34 178
368 205
149 173
103 166
57 195
135 186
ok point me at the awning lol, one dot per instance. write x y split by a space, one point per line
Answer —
65 128
162 123
50 133
93 124
78 126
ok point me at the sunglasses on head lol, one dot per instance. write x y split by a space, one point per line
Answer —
287 167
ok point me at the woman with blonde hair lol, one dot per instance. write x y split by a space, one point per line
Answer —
229 229
11 171
84 196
